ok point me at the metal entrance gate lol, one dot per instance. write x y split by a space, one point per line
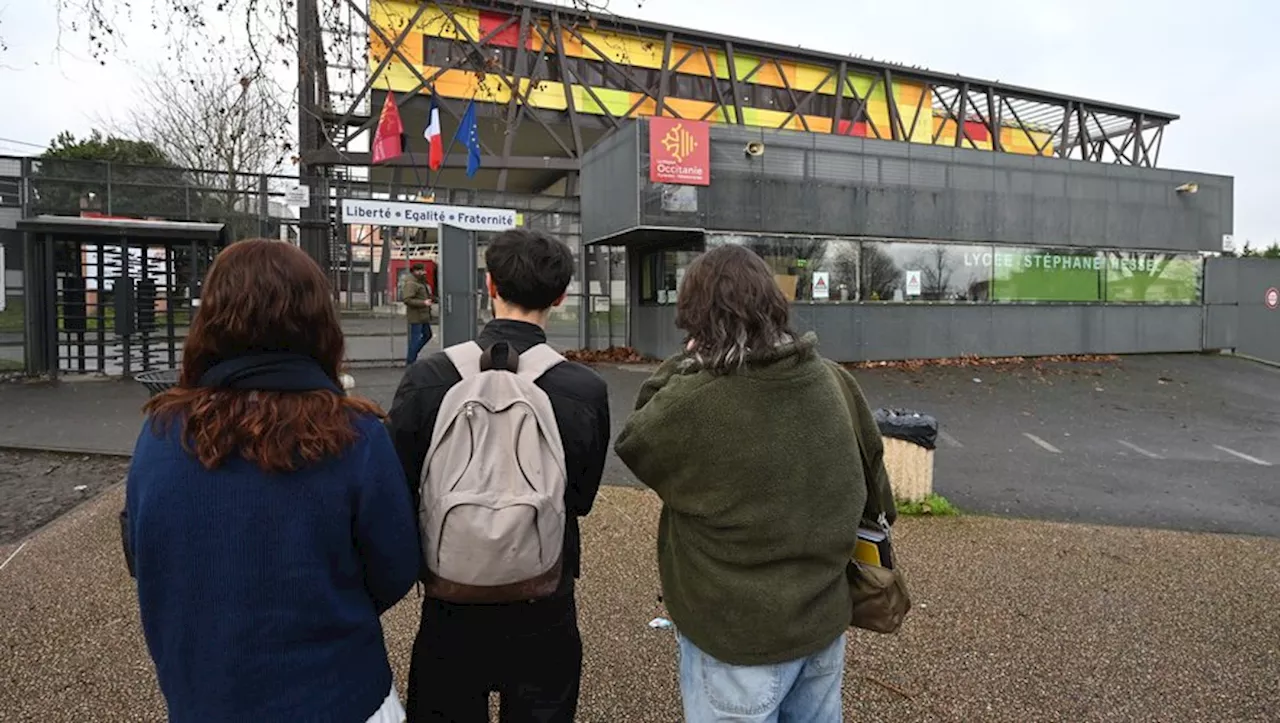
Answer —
1242 306
459 287
111 296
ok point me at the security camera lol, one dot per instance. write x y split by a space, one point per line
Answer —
754 149
1188 188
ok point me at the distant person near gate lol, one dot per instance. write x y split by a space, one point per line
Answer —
415 293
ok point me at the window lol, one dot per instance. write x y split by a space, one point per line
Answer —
662 273
832 270
614 78
1043 274
907 271
505 58
772 98
592 73
574 70
352 281
823 106
1153 277
692 87
808 269
441 52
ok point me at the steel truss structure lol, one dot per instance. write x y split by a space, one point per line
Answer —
533 49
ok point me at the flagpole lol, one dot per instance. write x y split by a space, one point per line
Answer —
392 187
453 142
447 151
416 176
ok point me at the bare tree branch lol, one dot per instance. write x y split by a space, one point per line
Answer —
256 39
221 125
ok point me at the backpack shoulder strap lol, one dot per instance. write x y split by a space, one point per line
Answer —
536 361
465 358
875 510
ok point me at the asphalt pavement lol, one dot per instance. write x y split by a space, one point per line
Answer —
1182 442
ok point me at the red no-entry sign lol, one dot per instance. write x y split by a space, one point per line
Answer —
1272 297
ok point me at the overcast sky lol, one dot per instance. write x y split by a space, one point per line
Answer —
1215 64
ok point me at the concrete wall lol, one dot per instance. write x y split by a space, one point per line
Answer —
823 184
1236 314
857 332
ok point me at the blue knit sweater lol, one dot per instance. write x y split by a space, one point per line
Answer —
260 593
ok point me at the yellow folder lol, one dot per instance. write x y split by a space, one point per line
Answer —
873 548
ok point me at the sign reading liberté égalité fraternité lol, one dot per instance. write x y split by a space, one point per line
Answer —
426 215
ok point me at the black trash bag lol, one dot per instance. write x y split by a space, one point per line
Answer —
908 426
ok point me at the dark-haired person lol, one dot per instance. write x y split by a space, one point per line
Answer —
528 652
416 296
268 518
748 438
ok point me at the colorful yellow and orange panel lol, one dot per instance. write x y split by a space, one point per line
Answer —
912 98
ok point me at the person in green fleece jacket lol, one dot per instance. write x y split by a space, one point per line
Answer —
763 469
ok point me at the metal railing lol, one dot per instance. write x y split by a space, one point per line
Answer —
249 205
121 308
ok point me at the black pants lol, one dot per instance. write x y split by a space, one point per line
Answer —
530 653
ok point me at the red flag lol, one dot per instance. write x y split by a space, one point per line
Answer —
388 140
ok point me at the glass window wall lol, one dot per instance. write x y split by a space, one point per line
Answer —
832 270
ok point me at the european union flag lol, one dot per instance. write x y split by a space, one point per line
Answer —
470 137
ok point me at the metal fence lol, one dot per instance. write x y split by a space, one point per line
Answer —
249 205
123 308
109 296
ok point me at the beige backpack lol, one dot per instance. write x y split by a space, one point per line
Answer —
492 513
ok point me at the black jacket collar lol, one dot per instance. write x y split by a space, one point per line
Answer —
521 335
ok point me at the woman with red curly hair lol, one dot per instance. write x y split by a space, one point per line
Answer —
267 513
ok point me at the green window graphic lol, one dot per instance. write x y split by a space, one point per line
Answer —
1046 275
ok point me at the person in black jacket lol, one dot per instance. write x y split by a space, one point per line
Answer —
529 652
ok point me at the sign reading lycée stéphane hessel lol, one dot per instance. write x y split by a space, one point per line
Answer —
426 215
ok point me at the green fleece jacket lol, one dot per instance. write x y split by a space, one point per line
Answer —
763 487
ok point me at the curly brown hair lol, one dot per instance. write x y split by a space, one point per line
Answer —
261 296
730 305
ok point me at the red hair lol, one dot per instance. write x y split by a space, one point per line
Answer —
262 296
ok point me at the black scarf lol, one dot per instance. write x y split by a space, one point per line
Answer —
269 372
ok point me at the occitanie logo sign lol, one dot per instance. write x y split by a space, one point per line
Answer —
679 151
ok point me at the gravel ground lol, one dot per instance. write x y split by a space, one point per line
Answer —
36 487
1015 621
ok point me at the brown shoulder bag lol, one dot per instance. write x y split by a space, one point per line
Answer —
880 598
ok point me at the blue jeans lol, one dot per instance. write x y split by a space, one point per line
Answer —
419 335
800 691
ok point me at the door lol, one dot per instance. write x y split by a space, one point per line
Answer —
458 291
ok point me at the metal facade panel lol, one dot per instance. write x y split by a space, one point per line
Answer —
1258 326
806 183
1222 326
925 331
610 185
1222 281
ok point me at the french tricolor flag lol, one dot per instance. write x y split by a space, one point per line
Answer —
435 156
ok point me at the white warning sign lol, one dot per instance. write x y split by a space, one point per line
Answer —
822 285
913 282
